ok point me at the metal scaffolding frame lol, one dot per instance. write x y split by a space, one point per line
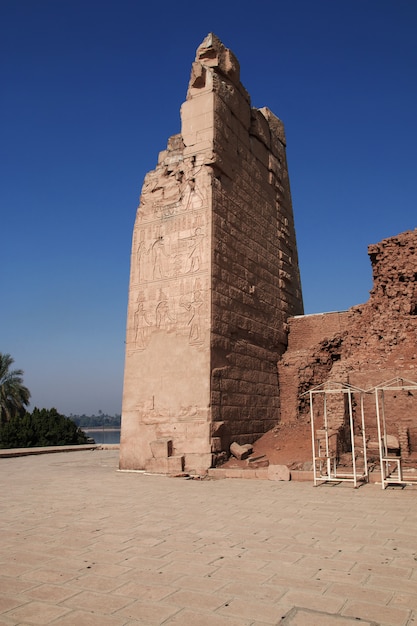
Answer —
391 465
324 461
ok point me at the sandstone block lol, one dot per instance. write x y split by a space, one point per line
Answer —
175 464
161 448
217 428
302 475
170 465
278 472
216 444
256 464
240 452
275 125
157 466
392 442
261 473
260 151
259 127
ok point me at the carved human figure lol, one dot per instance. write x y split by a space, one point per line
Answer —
193 197
140 321
194 322
140 259
162 312
195 251
158 252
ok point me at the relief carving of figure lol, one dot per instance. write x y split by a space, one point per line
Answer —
140 260
158 252
196 250
193 198
141 321
162 312
194 322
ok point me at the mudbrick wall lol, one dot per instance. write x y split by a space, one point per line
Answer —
365 346
214 276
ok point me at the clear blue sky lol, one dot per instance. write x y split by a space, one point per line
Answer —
91 91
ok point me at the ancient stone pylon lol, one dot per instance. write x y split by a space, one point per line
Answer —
214 276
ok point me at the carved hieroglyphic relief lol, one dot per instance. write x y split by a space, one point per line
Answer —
170 257
141 323
194 307
204 288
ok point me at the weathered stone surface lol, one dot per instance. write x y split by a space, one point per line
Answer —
168 465
278 472
240 452
214 276
161 448
392 442
367 345
216 444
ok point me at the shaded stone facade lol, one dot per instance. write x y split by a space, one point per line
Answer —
214 277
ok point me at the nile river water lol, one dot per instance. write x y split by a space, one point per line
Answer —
101 435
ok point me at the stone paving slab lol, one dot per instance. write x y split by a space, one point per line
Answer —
304 617
13 452
84 544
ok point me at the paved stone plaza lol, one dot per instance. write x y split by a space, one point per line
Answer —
84 544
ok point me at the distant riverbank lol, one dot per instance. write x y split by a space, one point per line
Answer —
103 435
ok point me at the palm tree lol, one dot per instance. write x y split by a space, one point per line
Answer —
14 396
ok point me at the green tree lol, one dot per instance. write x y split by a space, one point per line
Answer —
14 396
42 427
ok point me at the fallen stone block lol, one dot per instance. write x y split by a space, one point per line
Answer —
278 472
258 461
254 459
241 452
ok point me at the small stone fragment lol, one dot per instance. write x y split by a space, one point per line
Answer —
240 452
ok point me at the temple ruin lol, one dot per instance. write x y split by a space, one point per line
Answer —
218 351
214 278
372 345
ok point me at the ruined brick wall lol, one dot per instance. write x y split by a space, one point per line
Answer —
309 330
214 276
314 344
365 346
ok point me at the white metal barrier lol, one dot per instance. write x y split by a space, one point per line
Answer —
325 455
391 464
